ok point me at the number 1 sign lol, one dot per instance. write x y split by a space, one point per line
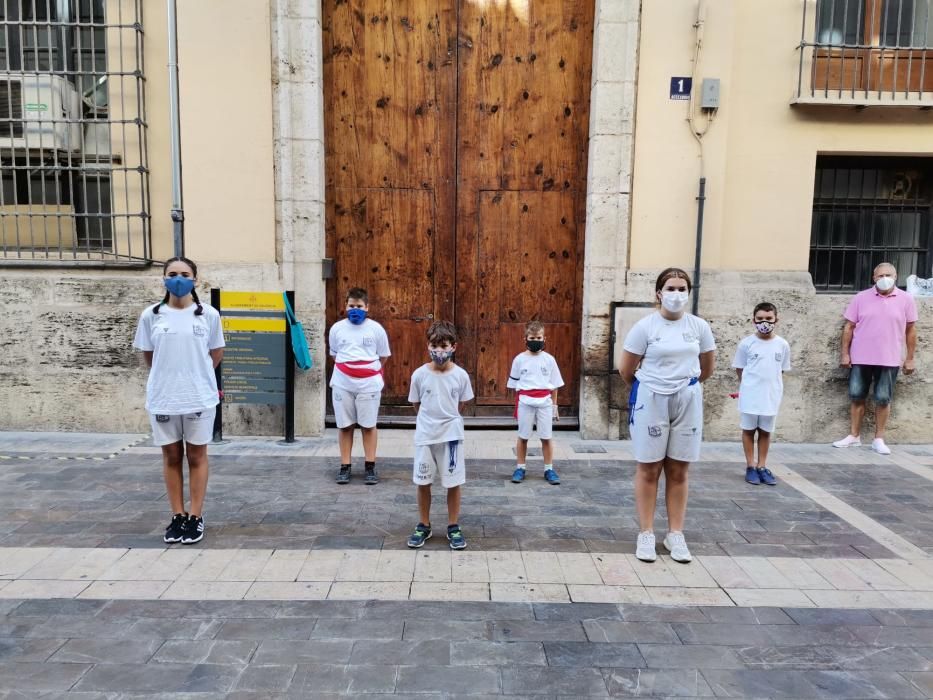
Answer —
680 88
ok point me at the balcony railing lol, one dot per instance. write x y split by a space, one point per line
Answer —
865 53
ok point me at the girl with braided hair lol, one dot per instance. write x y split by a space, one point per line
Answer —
182 342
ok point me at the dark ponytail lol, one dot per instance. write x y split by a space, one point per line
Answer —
194 295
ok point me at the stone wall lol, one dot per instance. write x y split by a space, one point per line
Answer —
815 407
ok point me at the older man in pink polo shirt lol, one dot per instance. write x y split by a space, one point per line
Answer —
879 322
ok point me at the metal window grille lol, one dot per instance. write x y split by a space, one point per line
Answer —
74 173
866 52
868 210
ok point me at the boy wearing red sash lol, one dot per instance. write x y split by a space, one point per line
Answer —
535 378
360 348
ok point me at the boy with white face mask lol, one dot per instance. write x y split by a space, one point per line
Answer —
666 357
760 362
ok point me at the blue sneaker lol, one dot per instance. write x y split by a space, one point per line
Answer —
766 476
518 476
551 477
751 476
455 537
421 535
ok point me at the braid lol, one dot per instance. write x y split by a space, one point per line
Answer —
200 309
155 309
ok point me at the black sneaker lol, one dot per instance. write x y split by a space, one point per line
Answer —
343 476
371 476
194 530
175 529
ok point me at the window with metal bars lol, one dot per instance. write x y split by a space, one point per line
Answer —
73 159
868 210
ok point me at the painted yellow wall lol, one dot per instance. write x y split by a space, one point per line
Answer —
226 110
759 153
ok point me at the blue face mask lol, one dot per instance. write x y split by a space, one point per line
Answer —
179 286
356 316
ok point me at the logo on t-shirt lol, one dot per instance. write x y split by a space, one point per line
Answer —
778 356
691 337
369 340
198 330
545 370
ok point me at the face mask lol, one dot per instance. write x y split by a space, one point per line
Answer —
764 327
356 316
179 286
534 345
674 301
885 283
440 357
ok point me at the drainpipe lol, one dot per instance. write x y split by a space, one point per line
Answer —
701 199
178 211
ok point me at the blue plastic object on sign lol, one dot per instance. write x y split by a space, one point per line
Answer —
680 88
299 342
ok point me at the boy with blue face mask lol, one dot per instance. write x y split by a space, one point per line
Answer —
760 362
439 391
360 348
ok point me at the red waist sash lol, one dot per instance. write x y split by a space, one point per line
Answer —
359 369
533 393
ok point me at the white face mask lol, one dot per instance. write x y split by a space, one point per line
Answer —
674 301
885 283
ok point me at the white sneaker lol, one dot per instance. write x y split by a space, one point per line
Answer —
848 441
644 548
878 446
677 546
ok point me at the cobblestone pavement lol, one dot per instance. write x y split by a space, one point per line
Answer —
821 587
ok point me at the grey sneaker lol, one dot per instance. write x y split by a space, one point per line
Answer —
677 546
645 547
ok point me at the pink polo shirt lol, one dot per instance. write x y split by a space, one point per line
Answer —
880 326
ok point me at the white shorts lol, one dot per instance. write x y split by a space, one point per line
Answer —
444 458
355 409
193 428
530 417
667 425
749 421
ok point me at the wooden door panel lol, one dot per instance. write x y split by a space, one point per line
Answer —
383 241
528 270
390 123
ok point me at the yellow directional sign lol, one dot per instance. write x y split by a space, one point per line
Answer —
252 301
233 324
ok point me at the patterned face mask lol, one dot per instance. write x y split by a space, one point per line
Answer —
440 357
764 327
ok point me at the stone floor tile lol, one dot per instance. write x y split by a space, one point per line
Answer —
506 567
246 565
40 678
830 616
923 681
395 565
167 678
206 590
657 573
469 567
134 565
642 682
126 590
578 568
107 651
453 680
578 611
659 613
855 684
839 575
773 597
574 682
278 628
586 654
704 656
215 651
608 594
903 618
800 574
288 590
616 570
616 631
423 590
432 566
449 630
432 652
760 684
302 651
542 567
689 596
283 565
876 576
358 629
482 653
749 616
763 573
361 590
909 599
265 680
321 565
26 588
345 680
848 599
28 650
726 572
527 592
55 606
18 560
908 573
895 636
525 631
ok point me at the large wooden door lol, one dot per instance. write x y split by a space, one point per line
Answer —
456 137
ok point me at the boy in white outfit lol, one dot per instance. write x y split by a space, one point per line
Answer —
760 362
535 378
439 390
360 348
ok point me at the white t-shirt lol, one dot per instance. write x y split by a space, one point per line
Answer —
763 363
538 371
440 395
181 379
671 350
365 342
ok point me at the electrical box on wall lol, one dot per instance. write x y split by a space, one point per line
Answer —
709 94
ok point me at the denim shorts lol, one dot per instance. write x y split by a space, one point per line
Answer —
883 378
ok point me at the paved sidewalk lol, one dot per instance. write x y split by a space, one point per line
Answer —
821 587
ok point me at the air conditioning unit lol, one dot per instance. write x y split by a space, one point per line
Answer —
38 113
